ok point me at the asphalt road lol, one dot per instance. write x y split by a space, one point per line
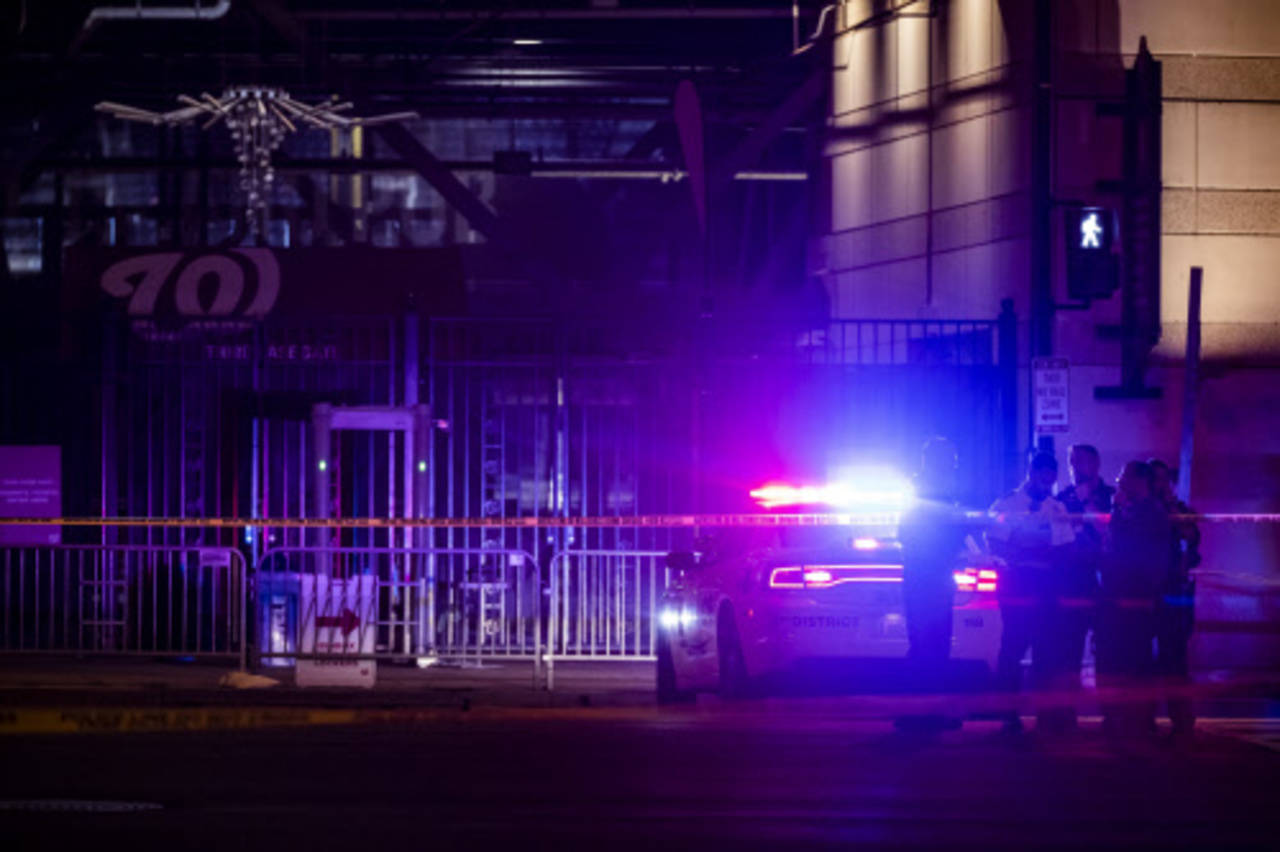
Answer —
797 775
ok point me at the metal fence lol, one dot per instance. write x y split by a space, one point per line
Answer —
459 605
604 605
453 604
129 600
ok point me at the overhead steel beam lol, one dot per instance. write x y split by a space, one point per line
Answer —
282 21
442 180
498 13
53 127
625 169
339 220
400 140
749 150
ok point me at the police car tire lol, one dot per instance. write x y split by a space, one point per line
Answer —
666 690
734 682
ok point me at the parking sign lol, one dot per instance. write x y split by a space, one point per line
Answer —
1051 388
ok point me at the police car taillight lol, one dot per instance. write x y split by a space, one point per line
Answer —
977 580
826 576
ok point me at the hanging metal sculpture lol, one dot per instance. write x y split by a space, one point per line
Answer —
258 118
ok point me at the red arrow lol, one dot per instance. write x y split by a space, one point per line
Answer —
346 622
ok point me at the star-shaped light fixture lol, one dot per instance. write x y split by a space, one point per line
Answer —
258 118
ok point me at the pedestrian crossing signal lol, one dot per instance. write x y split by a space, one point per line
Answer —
1093 266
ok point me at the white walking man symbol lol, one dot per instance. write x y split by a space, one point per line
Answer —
1090 230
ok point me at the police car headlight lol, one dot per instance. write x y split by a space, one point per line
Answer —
672 617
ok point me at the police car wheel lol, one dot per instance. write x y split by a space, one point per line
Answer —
667 693
734 682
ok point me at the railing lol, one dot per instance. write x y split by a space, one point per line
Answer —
961 343
125 600
604 606
461 605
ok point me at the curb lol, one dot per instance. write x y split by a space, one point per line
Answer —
139 720
81 720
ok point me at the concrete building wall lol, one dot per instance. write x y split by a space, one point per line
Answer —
930 159
1220 211
928 163
930 166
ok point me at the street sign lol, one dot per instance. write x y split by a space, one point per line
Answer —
30 487
1051 394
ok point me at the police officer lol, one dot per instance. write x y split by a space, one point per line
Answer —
1134 573
932 533
1175 610
1088 494
1029 530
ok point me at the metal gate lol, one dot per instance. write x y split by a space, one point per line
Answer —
537 422
450 604
527 430
604 605
124 600
215 423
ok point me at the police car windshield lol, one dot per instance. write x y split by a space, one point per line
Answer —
814 538
886 553
842 543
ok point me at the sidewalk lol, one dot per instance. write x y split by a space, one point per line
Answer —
99 682
106 682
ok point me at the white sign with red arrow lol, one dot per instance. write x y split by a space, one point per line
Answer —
339 627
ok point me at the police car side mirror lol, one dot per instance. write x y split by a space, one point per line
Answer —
681 560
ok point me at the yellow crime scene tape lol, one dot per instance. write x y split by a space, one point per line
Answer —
120 720
758 519
765 520
34 721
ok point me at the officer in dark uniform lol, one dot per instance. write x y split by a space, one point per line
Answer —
1088 494
1133 577
932 533
1175 610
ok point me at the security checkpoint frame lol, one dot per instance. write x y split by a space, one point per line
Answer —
414 423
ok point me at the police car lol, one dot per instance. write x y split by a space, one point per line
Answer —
758 602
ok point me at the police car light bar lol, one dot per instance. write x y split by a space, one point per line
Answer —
886 495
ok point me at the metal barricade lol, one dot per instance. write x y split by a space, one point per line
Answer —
460 605
124 600
604 606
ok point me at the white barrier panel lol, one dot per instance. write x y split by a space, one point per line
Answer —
122 600
339 626
604 605
447 605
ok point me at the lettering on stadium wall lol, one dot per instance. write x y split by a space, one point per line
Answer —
239 283
274 352
216 296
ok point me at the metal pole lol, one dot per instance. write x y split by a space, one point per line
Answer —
1041 190
321 426
244 608
1191 387
420 447
1007 360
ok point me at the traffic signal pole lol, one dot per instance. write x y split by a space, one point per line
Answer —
1042 305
